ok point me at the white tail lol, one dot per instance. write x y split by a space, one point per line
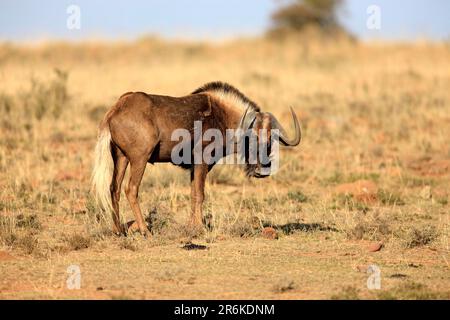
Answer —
103 167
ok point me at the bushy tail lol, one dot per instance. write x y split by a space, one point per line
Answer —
103 168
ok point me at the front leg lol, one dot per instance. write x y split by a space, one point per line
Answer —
198 178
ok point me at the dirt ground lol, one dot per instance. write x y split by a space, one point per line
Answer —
369 186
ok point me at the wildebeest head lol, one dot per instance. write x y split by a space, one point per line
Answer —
261 131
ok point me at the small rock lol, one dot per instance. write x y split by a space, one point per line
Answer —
374 247
413 265
269 233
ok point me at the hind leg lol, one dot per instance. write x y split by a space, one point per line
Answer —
120 166
134 133
137 168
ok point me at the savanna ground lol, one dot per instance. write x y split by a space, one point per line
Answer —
373 167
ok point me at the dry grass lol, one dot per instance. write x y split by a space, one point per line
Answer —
412 291
376 112
420 237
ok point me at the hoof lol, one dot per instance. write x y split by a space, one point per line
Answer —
119 231
133 227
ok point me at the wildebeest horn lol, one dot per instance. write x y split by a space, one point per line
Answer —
241 123
247 119
283 136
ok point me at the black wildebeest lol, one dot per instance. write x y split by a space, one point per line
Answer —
138 129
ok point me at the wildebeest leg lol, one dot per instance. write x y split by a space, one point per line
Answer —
120 166
198 177
137 168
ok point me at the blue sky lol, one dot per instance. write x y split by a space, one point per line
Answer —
24 20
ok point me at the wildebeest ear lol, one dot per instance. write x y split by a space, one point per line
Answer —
208 112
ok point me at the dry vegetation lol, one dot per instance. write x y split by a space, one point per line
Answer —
374 167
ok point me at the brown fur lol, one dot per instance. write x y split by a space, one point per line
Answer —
140 127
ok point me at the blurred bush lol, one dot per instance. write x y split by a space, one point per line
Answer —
298 15
46 98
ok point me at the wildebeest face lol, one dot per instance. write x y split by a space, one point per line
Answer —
258 146
265 131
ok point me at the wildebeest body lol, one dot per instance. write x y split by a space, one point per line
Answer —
140 119
138 129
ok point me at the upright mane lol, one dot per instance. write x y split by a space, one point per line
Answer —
228 93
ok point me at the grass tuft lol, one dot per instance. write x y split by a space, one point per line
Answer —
284 286
347 293
416 237
412 291
77 241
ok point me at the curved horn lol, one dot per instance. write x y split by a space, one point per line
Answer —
241 122
283 136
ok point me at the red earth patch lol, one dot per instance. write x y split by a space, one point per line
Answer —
361 190
428 166
5 256
65 175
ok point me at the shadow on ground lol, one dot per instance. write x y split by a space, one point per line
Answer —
292 227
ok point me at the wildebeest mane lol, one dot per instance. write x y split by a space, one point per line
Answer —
227 89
